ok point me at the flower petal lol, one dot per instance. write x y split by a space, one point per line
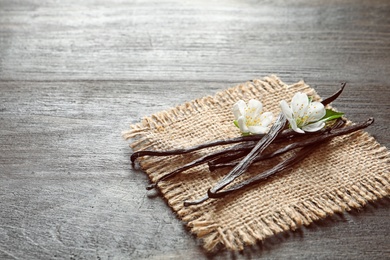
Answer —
239 109
286 110
299 104
258 129
254 107
315 111
242 124
266 118
314 126
294 126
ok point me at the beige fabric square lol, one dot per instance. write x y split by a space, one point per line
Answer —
344 173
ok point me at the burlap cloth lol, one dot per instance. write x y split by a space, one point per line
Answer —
343 174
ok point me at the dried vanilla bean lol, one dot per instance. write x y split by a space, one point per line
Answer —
238 149
299 156
285 134
276 128
225 161
326 134
243 165
332 98
240 139
306 150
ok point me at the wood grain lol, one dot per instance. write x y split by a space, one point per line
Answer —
75 74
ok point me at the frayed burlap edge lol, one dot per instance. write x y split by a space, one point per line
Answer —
290 217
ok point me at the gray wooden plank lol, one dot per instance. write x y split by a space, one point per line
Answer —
163 40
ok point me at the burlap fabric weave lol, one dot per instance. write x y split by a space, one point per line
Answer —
345 173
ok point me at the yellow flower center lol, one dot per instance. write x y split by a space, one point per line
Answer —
301 121
252 121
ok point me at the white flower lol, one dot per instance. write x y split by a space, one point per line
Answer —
250 119
304 115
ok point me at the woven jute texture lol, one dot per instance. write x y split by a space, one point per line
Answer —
344 173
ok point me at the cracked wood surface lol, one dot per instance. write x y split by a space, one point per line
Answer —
75 74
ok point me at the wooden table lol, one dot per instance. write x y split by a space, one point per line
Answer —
75 74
